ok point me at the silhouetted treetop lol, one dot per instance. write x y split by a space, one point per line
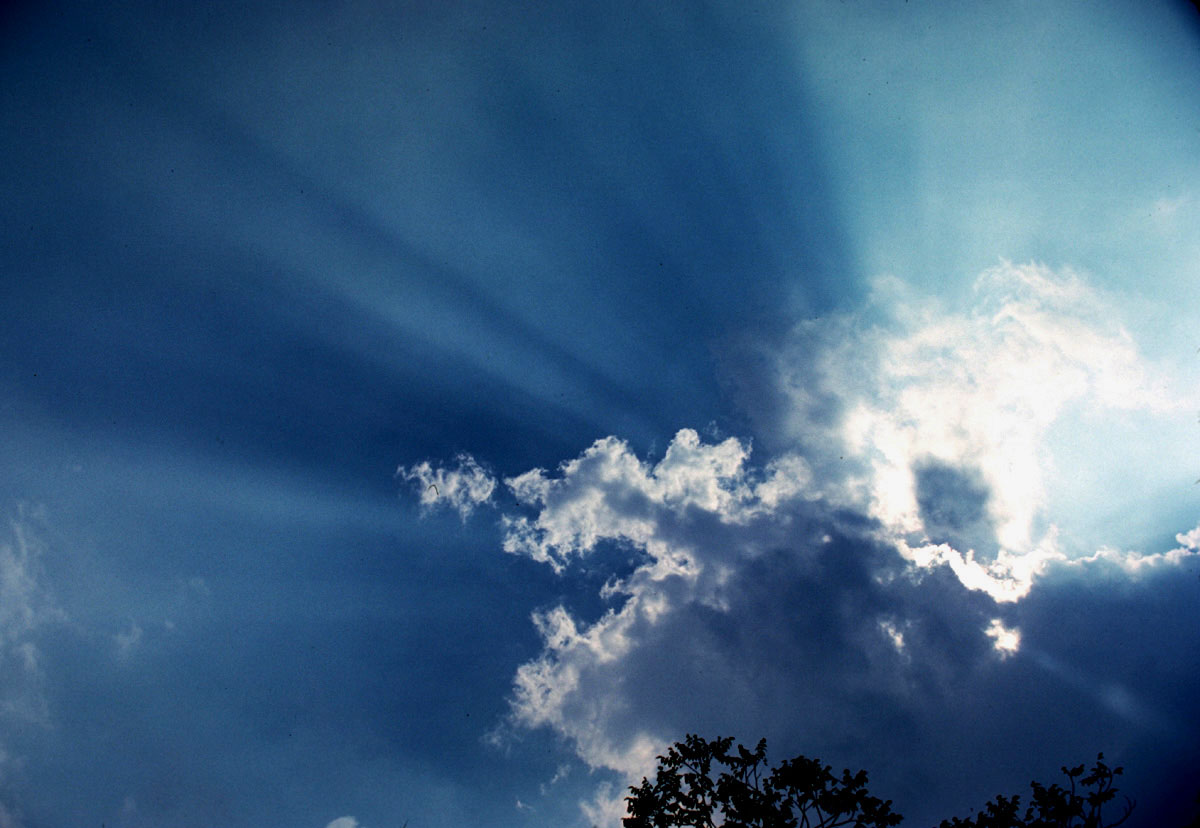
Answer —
1082 806
709 784
703 784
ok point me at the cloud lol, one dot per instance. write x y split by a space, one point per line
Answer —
750 612
1006 641
343 822
745 574
866 578
609 494
462 487
941 419
128 641
859 578
26 609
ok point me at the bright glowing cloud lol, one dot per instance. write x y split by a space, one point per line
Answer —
945 415
1006 641
462 487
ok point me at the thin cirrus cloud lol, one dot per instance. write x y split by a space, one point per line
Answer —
856 575
26 611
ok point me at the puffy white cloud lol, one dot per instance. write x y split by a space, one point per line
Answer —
343 822
607 493
462 487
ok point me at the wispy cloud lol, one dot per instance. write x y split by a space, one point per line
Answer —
462 487
8 819
128 641
26 608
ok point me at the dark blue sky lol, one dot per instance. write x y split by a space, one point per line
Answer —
855 343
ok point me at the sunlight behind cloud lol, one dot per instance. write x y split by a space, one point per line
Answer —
939 419
938 397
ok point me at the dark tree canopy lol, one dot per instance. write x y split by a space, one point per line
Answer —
739 792
708 784
1081 806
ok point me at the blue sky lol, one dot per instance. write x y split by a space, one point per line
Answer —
429 412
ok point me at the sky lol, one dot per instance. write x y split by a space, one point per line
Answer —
428 412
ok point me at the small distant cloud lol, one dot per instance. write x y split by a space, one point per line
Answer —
560 773
893 634
344 822
1005 641
463 486
128 641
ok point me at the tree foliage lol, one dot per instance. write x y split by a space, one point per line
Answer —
799 793
1081 806
709 784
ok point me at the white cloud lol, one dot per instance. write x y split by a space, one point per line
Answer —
609 494
343 822
1006 641
811 582
975 394
607 806
462 487
1134 563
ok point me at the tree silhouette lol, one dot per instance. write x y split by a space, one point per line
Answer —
799 793
1055 807
707 784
